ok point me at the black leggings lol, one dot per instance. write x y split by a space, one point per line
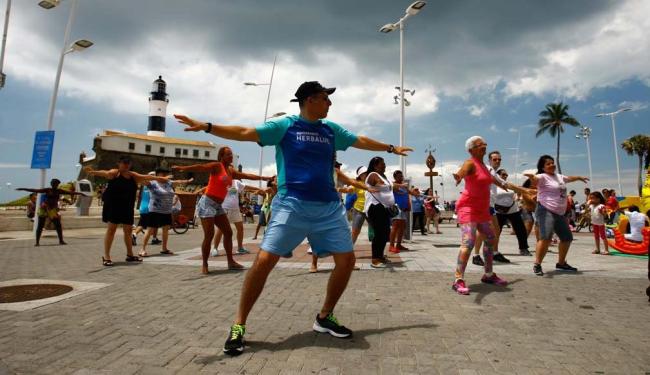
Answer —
378 218
41 225
418 218
517 225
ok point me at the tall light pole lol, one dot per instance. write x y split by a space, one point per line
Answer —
585 133
266 109
412 10
517 171
78 45
4 43
618 168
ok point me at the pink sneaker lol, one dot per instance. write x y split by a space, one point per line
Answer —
460 288
494 279
393 250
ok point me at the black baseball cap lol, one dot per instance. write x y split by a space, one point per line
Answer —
310 88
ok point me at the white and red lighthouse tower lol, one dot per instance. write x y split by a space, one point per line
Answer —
157 108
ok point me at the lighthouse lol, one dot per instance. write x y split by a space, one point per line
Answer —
157 108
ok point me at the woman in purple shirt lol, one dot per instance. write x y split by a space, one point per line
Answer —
549 215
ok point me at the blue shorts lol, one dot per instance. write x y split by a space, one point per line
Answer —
324 224
549 222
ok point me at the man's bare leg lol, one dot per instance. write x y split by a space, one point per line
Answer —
343 266
254 283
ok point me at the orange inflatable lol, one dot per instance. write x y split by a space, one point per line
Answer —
627 247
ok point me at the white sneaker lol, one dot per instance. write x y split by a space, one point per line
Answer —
214 252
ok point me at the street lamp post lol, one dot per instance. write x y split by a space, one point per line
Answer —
4 43
618 168
585 133
266 109
517 171
412 10
78 45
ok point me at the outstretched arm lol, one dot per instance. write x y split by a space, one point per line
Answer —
236 133
466 170
370 144
204 167
145 178
63 191
532 177
248 176
349 181
32 190
182 182
576 178
107 174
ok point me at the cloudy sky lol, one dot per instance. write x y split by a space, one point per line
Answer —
477 67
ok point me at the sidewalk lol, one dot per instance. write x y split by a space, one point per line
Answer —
163 317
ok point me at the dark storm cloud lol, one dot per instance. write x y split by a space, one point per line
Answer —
450 43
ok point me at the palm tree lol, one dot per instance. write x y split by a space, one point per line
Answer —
638 145
551 119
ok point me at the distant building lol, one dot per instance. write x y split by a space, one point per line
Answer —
153 150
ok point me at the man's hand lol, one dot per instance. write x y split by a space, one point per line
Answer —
401 150
192 125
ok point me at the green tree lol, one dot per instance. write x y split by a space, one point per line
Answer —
638 145
552 120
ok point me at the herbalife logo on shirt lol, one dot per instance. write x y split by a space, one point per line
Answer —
311 137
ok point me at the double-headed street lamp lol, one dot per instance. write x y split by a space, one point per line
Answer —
78 45
412 10
266 109
585 133
618 169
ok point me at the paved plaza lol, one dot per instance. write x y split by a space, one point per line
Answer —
163 317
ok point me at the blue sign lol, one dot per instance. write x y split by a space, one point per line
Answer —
43 145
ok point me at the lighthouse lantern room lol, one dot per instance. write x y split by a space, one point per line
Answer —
157 108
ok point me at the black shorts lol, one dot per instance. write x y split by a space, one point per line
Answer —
144 221
158 220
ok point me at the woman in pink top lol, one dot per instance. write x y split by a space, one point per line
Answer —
549 214
473 210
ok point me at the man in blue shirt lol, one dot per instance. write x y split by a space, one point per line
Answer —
306 205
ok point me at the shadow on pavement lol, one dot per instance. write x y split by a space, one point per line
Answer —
482 290
214 273
116 264
314 339
551 274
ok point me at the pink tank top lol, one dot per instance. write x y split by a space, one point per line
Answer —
218 184
474 202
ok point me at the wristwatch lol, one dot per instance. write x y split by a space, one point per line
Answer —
209 127
391 148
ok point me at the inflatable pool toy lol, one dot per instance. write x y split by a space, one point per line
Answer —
621 244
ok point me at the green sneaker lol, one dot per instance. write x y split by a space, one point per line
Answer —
235 342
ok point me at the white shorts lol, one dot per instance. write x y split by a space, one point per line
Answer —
234 215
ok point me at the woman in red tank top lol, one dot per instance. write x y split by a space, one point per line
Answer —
209 208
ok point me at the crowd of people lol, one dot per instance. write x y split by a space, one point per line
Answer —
303 201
